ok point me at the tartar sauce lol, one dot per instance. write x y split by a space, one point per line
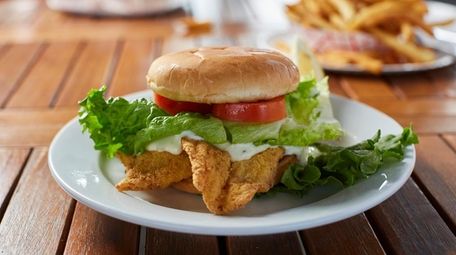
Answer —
241 151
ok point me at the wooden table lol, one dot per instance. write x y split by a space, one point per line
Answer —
48 61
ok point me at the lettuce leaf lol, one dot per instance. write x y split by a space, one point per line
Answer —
253 133
302 103
118 125
209 128
310 120
346 165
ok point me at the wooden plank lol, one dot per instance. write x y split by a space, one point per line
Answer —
44 79
286 243
408 224
91 71
428 124
35 218
335 86
36 117
451 140
176 43
95 233
14 65
32 127
415 85
444 80
164 242
350 236
434 170
365 87
417 106
11 162
134 62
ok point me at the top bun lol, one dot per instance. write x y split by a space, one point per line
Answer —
222 75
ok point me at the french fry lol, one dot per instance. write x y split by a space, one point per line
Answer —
441 23
410 50
344 7
390 23
407 32
341 58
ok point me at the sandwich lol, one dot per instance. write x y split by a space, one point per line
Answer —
227 123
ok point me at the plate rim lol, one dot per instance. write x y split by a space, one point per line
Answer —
215 230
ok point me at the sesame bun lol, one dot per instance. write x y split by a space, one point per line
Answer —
223 75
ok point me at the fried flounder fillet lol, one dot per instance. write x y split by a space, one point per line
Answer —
227 186
202 168
153 169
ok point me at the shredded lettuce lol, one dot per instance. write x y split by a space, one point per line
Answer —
346 165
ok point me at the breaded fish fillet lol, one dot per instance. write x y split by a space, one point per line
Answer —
153 169
227 186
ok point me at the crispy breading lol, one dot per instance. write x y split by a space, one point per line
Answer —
227 186
210 168
187 184
153 169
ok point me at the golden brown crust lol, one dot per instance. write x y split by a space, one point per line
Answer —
186 185
153 169
227 186
223 75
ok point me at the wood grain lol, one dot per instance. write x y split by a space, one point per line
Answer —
176 43
286 243
428 124
415 106
434 170
164 242
91 71
19 127
95 233
134 62
335 87
35 218
408 224
444 80
451 140
350 236
415 85
12 161
14 64
365 87
44 79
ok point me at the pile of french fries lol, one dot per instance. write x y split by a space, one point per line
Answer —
391 22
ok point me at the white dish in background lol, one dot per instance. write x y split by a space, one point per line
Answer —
438 12
121 8
89 178
442 59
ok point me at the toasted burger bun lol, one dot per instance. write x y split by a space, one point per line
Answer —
223 75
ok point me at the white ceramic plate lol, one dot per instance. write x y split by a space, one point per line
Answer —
439 12
442 59
89 177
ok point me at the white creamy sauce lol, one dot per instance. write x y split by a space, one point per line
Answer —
242 151
172 144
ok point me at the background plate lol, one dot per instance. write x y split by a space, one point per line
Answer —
442 59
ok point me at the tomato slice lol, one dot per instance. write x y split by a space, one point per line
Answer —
172 107
261 111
